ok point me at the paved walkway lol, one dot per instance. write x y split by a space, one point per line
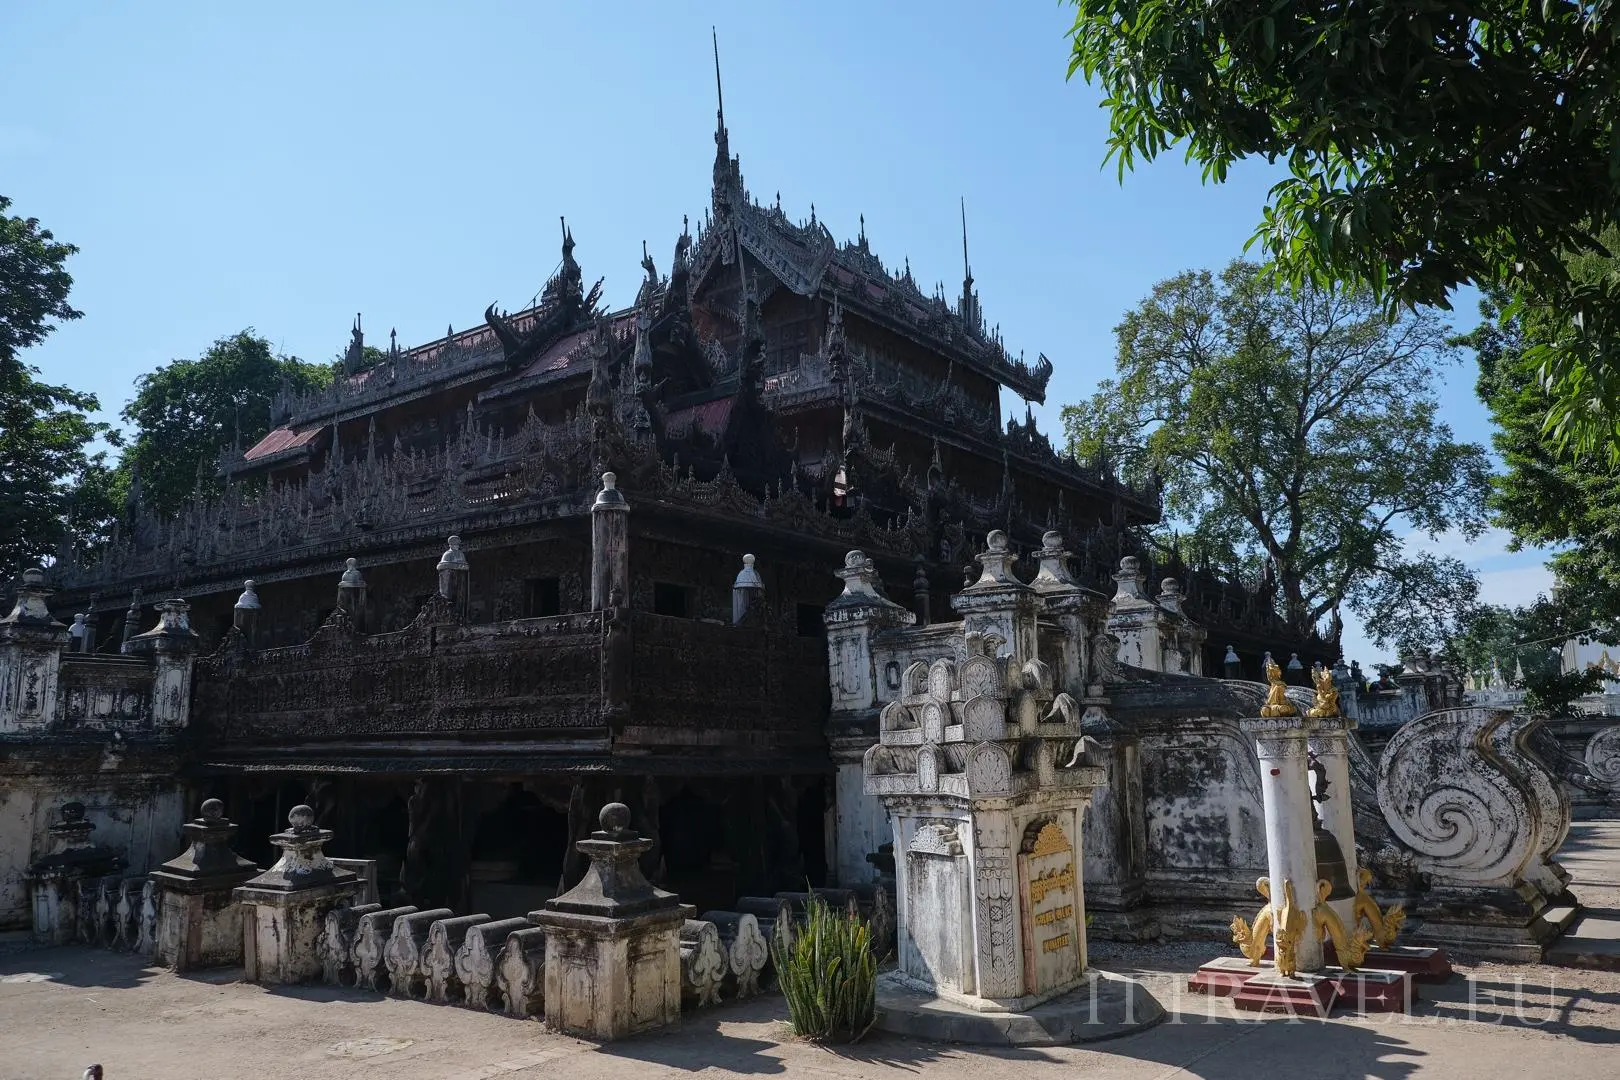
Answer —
61 1009
1591 854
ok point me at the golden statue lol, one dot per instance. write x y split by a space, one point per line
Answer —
1277 703
1290 929
1327 694
1381 925
1351 948
1285 928
1252 942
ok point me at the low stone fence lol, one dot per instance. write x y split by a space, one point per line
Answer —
478 962
113 912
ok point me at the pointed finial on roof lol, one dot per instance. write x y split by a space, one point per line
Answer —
862 237
719 94
449 331
967 270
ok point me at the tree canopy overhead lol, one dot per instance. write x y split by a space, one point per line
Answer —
1429 145
1295 429
1565 500
45 431
185 411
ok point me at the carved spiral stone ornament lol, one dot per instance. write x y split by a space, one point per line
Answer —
1603 756
1455 787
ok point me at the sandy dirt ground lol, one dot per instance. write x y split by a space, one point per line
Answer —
62 1009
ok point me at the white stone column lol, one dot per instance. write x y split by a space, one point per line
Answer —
172 647
610 547
1330 743
453 577
31 645
1290 845
859 826
747 593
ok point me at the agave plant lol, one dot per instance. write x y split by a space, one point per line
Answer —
828 974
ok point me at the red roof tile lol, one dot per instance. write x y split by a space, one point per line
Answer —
280 439
710 418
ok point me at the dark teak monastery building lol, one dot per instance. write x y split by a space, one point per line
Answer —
460 712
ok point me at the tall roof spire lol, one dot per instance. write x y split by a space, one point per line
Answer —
968 309
967 271
719 94
725 172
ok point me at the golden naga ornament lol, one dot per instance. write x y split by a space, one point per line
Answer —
1327 694
1277 703
1351 948
1285 928
1383 926
1251 942
1289 933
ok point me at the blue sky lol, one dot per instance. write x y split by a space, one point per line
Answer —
221 170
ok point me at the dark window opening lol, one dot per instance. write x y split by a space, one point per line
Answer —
809 619
670 600
812 823
542 598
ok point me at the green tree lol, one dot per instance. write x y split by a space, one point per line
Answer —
1547 495
1428 146
1527 642
1293 428
45 431
186 411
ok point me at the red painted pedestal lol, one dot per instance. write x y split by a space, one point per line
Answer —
1261 989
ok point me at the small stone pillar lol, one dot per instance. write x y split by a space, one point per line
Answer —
31 644
747 593
54 880
132 618
245 616
172 647
610 545
1281 743
199 920
90 627
922 600
1153 634
998 603
78 632
1294 673
613 963
1135 619
1075 608
454 577
286 906
351 594
1114 830
852 620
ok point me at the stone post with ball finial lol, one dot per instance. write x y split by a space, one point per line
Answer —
285 907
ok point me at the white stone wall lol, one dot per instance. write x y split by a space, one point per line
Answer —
139 818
